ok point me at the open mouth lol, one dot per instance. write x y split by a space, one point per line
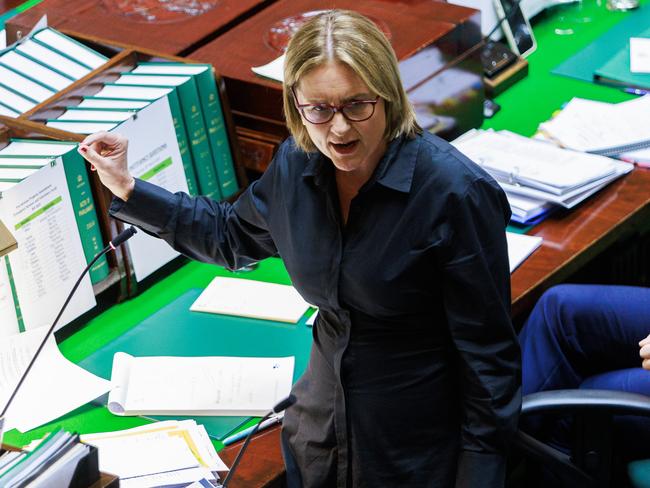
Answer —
344 148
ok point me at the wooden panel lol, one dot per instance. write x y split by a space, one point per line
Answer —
261 466
6 5
169 32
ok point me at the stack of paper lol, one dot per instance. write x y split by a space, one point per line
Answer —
159 454
542 172
230 386
619 130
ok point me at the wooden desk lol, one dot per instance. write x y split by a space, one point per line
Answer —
144 24
262 465
575 238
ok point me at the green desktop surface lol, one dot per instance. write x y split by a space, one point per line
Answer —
524 105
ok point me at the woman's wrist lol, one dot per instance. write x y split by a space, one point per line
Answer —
125 191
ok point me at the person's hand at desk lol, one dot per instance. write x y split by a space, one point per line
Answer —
645 352
106 152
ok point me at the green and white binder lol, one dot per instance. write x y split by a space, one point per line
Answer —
149 94
78 187
188 96
212 113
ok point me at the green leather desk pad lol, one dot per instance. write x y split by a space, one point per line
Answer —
176 331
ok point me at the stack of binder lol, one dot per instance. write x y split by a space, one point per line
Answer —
195 108
59 460
35 70
181 138
538 176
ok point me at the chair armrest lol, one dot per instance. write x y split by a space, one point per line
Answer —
573 401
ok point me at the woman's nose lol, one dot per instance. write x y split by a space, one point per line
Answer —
339 123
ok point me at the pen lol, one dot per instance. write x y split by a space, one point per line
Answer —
276 419
636 91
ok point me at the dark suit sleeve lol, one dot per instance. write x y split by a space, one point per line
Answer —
476 291
232 235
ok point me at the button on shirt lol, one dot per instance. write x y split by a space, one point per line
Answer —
414 370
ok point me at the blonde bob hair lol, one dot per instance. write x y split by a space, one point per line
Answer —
354 40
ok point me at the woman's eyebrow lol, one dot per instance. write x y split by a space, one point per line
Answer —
351 98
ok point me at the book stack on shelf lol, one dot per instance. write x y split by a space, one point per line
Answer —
180 137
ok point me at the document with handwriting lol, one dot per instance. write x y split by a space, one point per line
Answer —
216 385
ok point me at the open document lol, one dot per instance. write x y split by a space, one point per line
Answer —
167 385
589 125
153 156
38 275
250 298
53 387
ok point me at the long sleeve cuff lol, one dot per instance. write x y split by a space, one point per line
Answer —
487 470
149 207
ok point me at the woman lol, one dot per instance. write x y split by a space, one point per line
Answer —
398 239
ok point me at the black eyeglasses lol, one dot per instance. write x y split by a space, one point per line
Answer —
321 113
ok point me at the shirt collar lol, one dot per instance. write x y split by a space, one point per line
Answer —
395 169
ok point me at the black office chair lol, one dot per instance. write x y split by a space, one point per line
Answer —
590 461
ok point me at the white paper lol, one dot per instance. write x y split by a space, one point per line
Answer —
154 156
250 298
34 70
72 49
52 59
639 55
166 385
520 246
3 39
50 257
53 387
194 435
273 70
588 125
143 455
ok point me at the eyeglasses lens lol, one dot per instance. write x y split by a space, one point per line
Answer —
356 112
